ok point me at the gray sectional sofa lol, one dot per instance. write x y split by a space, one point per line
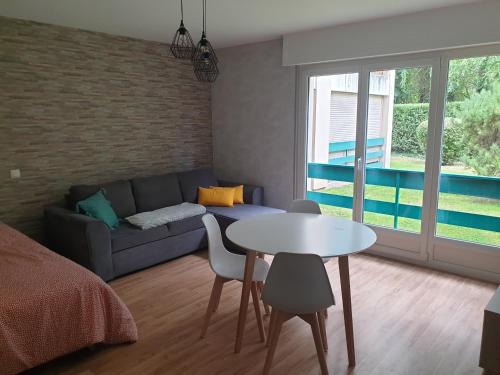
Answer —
112 253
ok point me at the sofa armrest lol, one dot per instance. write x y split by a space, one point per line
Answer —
252 194
82 239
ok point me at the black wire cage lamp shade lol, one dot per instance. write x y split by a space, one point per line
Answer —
182 46
205 61
204 58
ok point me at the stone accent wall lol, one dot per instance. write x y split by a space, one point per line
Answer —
85 107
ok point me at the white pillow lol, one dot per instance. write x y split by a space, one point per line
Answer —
162 216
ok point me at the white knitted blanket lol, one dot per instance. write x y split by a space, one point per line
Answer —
162 216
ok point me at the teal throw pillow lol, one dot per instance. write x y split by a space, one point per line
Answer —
98 207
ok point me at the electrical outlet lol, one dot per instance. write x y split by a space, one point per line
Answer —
15 173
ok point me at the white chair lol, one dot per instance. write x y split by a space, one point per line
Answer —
306 206
228 266
297 285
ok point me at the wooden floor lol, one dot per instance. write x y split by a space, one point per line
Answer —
407 320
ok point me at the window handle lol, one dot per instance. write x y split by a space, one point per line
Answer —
359 164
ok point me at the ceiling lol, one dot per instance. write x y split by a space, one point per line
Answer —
230 22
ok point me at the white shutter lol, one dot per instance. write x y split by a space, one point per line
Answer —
374 116
343 110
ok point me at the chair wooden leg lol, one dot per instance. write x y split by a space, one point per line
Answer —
261 285
325 313
218 294
218 282
322 327
260 288
258 315
319 346
272 322
245 296
281 317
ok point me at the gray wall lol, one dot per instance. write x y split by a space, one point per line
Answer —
253 119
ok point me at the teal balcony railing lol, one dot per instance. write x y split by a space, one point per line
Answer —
475 186
346 148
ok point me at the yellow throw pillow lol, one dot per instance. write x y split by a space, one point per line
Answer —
238 192
216 197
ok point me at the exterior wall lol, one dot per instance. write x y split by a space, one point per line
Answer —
83 107
343 116
336 122
253 116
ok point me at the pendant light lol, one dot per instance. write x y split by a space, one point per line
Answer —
204 58
182 46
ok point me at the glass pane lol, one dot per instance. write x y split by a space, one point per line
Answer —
469 197
331 142
398 109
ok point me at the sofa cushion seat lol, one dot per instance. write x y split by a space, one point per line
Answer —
185 225
241 211
127 236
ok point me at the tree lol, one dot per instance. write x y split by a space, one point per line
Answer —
480 116
473 75
465 78
412 85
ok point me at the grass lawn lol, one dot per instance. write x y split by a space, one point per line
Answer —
451 202
412 163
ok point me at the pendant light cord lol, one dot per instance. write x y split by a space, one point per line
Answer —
182 12
204 16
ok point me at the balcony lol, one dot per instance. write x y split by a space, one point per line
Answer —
485 190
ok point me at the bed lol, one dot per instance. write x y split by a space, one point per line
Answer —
50 306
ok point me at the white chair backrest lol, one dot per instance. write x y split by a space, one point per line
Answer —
305 206
216 249
298 284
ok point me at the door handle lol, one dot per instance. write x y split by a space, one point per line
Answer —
359 164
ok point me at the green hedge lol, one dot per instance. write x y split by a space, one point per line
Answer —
406 119
452 140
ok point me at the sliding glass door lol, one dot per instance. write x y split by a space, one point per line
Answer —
395 153
332 124
411 147
469 188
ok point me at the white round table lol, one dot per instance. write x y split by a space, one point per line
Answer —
326 236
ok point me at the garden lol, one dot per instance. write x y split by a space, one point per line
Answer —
471 144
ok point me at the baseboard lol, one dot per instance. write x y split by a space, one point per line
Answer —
421 260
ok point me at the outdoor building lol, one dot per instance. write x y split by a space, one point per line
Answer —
332 115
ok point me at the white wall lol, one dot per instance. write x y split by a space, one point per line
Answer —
253 119
451 27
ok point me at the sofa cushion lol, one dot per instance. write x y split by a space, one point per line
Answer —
119 193
78 193
98 207
190 181
185 225
127 236
215 196
156 192
241 211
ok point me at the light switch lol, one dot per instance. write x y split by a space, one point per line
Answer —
15 173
